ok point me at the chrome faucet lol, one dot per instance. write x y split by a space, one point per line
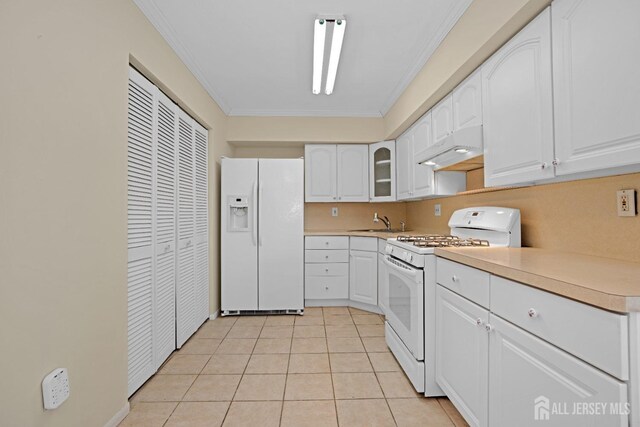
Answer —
385 220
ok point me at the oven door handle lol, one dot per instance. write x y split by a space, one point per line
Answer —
406 271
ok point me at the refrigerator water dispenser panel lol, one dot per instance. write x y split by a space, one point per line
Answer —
238 213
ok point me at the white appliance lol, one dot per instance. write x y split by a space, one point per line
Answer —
411 282
262 235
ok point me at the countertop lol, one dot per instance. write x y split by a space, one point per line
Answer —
602 282
380 234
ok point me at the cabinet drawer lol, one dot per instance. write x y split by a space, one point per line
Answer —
466 281
364 244
326 287
594 335
326 256
325 270
326 242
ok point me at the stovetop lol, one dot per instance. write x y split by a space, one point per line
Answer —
440 241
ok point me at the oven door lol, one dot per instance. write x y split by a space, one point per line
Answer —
405 310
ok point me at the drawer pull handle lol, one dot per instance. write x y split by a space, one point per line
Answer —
488 327
533 313
479 321
326 243
454 278
326 288
326 270
326 257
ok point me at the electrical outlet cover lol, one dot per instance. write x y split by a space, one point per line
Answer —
438 210
55 388
626 202
334 211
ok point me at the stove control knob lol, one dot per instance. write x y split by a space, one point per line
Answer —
409 257
388 249
533 313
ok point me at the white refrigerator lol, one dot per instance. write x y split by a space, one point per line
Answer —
262 235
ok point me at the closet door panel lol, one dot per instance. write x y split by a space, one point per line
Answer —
165 230
185 285
201 225
139 231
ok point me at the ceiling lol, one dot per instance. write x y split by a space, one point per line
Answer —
254 57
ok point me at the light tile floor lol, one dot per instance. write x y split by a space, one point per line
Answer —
329 367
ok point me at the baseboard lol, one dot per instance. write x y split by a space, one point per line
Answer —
214 315
119 416
342 303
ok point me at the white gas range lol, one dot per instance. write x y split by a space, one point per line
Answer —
410 283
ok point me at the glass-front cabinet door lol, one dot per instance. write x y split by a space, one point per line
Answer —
382 171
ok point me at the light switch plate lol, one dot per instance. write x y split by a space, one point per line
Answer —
334 211
55 388
626 200
438 210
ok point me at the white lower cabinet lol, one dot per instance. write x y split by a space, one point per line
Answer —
532 381
363 277
462 354
503 375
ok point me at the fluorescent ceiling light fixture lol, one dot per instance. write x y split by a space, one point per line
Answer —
319 41
429 163
319 34
462 150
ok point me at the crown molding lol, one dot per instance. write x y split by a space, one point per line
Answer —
304 113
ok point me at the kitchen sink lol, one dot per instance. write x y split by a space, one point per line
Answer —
380 230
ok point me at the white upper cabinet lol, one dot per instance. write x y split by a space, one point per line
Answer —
596 58
442 120
422 175
353 173
336 173
382 171
404 147
467 103
518 107
320 173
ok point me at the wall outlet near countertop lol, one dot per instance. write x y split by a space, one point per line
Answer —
437 211
626 202
334 211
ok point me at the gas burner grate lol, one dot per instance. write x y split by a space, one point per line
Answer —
442 241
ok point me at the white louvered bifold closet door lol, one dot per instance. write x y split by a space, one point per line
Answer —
165 229
202 225
186 320
140 292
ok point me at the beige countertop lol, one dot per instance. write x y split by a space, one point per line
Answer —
380 234
607 283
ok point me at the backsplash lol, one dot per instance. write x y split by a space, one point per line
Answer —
577 216
352 216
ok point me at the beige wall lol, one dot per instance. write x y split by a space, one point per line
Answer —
352 216
483 28
258 152
63 208
300 130
577 216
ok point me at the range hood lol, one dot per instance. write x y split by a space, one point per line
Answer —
461 145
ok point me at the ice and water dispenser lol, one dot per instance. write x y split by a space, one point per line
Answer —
238 213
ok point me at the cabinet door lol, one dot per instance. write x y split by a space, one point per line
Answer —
383 284
404 174
201 192
422 175
529 377
596 57
320 173
442 117
353 173
363 277
382 171
517 108
462 352
467 103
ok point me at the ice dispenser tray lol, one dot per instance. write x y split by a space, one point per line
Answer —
238 213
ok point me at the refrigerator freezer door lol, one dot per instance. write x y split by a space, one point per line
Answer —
239 255
281 234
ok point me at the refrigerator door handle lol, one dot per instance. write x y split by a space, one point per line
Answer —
260 211
254 229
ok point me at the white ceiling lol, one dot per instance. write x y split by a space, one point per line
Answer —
254 57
